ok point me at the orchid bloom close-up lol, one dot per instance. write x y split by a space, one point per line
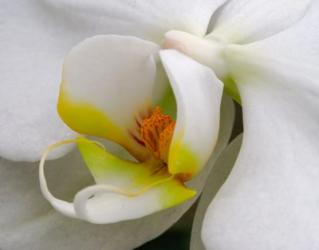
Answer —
117 115
115 103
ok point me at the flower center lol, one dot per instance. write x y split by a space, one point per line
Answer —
156 132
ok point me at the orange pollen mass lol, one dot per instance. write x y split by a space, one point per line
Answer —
156 132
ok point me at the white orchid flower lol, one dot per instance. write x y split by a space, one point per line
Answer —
37 35
107 90
250 75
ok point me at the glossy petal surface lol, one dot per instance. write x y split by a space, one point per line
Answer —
244 21
198 96
272 186
149 20
215 180
107 87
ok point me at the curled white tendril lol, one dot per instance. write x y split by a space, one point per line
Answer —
77 209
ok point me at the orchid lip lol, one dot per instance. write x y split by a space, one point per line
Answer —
155 132
78 208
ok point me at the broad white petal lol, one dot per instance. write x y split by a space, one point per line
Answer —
270 200
145 19
198 95
28 221
107 88
33 43
244 21
298 43
215 180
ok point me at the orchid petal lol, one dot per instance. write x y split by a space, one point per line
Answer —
198 95
145 19
107 87
34 42
271 188
244 21
215 180
299 42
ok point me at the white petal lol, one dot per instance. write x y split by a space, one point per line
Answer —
198 95
106 207
227 118
215 180
298 43
28 221
145 19
244 21
33 46
107 87
270 200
